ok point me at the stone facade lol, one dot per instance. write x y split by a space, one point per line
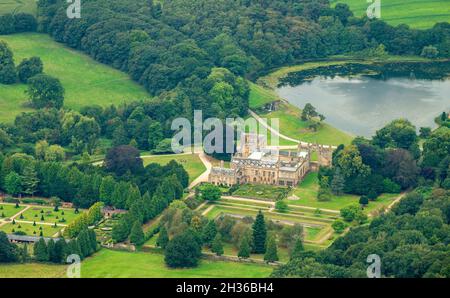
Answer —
256 163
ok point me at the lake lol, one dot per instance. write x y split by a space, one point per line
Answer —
363 103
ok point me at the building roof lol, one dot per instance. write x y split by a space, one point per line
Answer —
26 238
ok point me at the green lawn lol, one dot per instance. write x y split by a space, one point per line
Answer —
50 216
419 14
292 126
108 263
32 270
260 96
191 163
14 6
30 230
308 189
86 81
9 210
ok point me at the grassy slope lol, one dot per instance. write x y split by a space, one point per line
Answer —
86 82
191 163
32 270
292 126
13 6
419 14
308 189
108 263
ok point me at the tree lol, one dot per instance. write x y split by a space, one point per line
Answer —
163 238
122 159
5 139
40 251
349 213
29 180
45 92
209 232
271 254
338 226
259 234
217 246
399 133
29 68
120 230
363 200
425 132
281 206
210 192
7 69
182 251
308 112
137 236
298 249
107 189
8 251
13 183
410 204
244 248
429 52
338 183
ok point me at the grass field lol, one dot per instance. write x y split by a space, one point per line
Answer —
108 263
32 270
260 96
292 126
8 210
419 14
14 6
191 163
86 82
308 189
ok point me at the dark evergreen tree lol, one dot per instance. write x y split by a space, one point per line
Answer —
8 251
40 251
137 236
209 232
259 234
271 254
244 248
217 246
182 251
163 238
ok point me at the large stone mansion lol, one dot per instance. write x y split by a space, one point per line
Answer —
256 163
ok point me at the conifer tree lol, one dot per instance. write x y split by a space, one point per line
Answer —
271 254
137 236
209 232
40 251
51 250
133 196
107 189
120 230
244 248
217 246
29 180
85 245
163 238
92 240
298 249
259 234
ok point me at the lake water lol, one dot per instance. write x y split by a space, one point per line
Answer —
361 105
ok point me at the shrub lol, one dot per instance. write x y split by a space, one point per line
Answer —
390 186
